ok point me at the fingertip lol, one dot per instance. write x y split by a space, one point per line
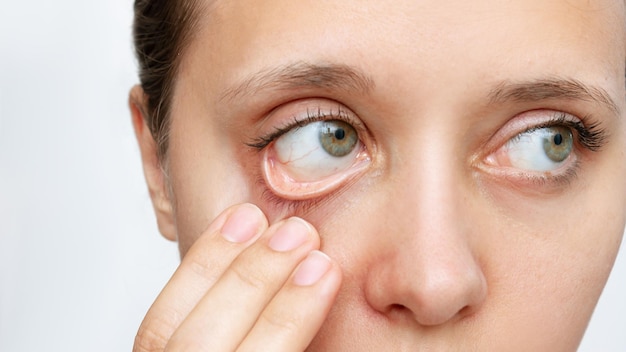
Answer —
312 269
239 223
332 280
316 268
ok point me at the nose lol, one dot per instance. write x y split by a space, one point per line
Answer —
426 267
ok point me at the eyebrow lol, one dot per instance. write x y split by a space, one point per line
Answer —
553 88
302 75
342 77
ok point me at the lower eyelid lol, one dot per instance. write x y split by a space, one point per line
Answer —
279 182
540 181
283 182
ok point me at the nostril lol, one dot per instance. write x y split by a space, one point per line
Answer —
400 312
397 308
465 311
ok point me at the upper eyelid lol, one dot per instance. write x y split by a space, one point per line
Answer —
594 134
592 137
311 115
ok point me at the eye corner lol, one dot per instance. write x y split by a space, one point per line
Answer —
258 144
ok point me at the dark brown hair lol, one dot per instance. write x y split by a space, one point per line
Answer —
162 30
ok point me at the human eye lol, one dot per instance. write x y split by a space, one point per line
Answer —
317 150
544 146
539 149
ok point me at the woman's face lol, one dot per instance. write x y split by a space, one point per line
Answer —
469 178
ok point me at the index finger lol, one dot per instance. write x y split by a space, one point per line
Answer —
203 264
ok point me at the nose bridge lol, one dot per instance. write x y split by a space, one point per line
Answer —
429 268
428 177
433 215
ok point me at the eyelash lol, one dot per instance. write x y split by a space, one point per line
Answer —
591 137
303 206
260 143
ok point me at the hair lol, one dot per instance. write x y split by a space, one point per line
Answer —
162 31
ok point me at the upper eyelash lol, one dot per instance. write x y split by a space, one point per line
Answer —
311 116
592 137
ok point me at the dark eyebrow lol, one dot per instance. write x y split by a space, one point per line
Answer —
553 88
302 75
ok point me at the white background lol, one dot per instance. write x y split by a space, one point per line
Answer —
80 256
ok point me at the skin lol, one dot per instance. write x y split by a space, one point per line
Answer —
433 245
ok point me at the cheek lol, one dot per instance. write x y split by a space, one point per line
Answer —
547 266
206 175
541 289
544 272
198 185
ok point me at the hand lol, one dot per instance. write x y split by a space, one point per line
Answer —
244 286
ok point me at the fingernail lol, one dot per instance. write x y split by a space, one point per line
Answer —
290 235
312 269
242 224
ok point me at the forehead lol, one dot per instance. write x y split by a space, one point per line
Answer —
432 39
238 20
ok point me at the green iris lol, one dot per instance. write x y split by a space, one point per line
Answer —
558 143
338 138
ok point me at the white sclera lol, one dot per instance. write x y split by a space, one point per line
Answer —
304 159
526 151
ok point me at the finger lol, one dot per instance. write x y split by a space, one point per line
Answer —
297 312
223 318
229 234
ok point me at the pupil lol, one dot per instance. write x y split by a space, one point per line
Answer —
558 139
340 134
